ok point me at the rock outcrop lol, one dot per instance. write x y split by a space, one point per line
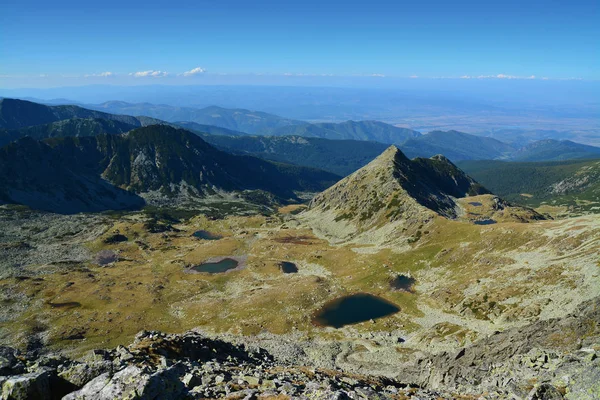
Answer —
552 359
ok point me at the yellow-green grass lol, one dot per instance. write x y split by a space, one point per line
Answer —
152 288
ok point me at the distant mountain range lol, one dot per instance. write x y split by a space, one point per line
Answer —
234 119
74 174
237 122
24 119
351 130
204 129
346 156
456 146
453 144
255 122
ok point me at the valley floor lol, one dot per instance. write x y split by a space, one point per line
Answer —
74 283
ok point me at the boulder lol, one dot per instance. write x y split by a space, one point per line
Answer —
9 363
125 384
134 383
32 386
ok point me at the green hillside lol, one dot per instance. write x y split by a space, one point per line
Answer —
574 184
555 150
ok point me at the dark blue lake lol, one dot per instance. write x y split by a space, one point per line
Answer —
206 235
288 267
223 265
353 309
484 222
403 282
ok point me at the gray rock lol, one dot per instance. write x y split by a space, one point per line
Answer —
545 391
505 362
586 384
34 385
125 384
9 363
193 379
81 373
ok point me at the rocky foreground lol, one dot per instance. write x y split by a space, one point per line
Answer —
547 360
160 366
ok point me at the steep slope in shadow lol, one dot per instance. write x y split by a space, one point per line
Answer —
159 162
34 174
65 128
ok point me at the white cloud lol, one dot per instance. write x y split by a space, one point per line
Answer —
413 77
101 74
378 75
150 73
499 76
504 76
306 74
195 71
465 77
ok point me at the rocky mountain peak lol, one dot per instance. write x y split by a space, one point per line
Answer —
390 154
391 189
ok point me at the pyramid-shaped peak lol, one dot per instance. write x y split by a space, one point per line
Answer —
392 150
391 154
393 187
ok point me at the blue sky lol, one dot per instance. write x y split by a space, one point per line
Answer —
52 43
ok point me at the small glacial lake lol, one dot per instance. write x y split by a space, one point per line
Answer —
475 203
353 309
288 267
217 267
403 282
67 305
485 222
206 235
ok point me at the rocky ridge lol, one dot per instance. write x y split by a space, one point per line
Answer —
161 366
114 172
